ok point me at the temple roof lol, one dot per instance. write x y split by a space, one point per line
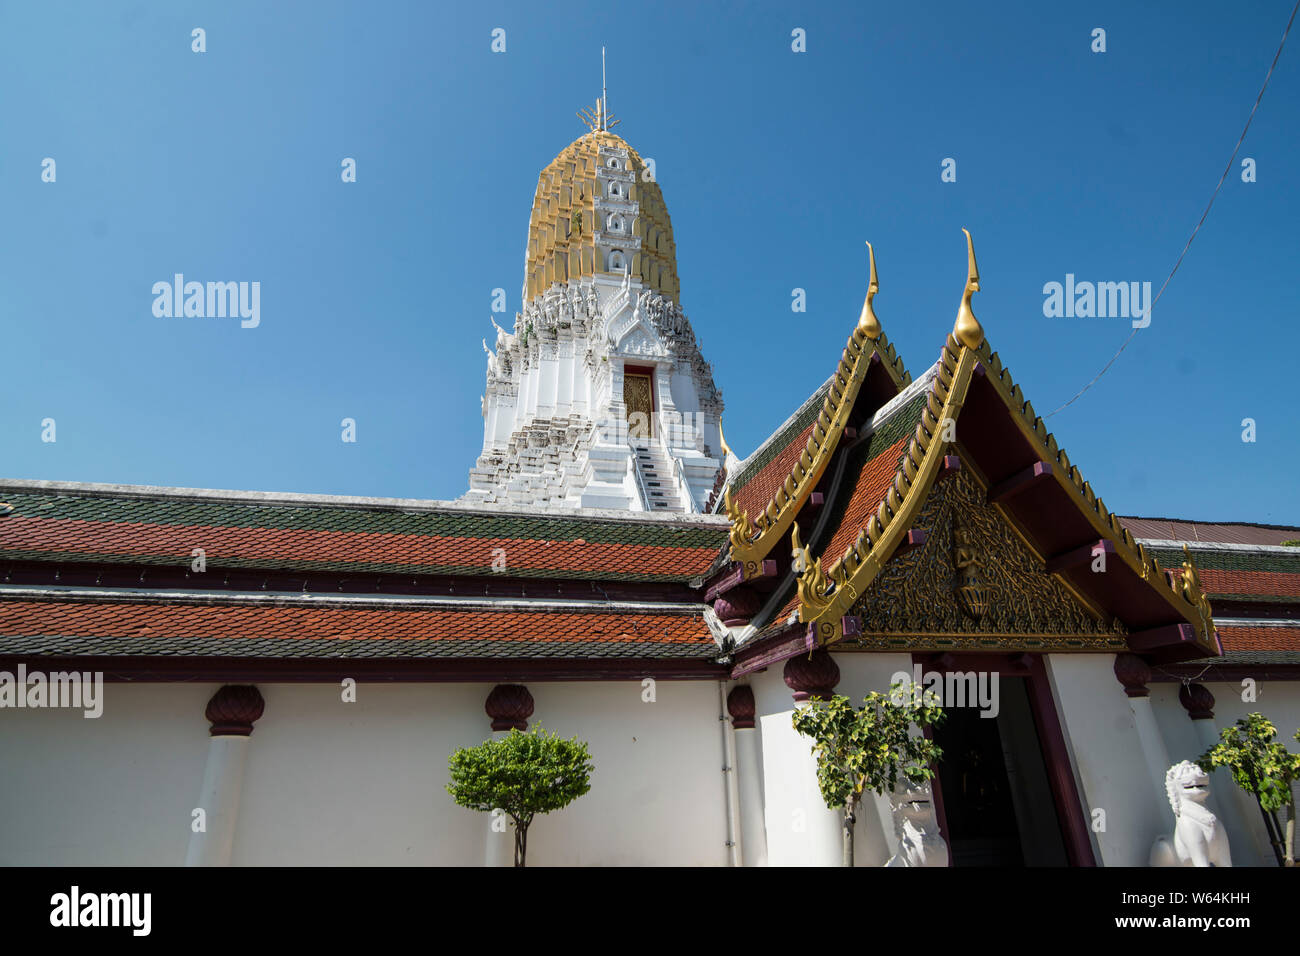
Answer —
867 472
774 485
55 522
1263 575
758 477
1253 588
995 433
1210 532
967 414
1252 643
46 622
108 571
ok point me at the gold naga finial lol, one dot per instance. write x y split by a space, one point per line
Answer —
1191 581
1193 593
967 329
813 582
726 449
741 529
867 321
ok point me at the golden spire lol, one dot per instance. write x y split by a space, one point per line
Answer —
600 119
967 329
867 321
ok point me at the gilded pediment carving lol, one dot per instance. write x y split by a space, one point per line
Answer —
975 585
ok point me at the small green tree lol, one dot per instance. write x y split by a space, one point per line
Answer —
521 774
868 748
1265 769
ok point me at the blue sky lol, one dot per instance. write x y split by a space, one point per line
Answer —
775 166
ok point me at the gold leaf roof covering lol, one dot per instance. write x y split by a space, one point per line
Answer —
566 188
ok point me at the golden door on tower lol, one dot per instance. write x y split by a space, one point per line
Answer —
636 397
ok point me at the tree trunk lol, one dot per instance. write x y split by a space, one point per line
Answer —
1274 829
850 817
521 843
1290 833
1271 825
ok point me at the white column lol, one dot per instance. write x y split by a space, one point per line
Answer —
1133 672
509 706
749 778
223 777
500 842
735 839
801 830
232 711
1154 750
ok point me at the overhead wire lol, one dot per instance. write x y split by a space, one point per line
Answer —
1222 179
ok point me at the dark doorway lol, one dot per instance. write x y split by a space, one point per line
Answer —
997 800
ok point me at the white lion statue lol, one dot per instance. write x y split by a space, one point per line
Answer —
915 826
1198 838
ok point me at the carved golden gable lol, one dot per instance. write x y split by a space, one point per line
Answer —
974 585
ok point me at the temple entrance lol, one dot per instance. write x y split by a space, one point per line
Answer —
997 801
639 403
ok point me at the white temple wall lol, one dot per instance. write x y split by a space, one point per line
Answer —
364 783
657 796
1102 739
330 783
801 831
116 790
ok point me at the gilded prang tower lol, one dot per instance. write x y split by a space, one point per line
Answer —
599 397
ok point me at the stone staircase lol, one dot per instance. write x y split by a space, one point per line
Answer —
656 476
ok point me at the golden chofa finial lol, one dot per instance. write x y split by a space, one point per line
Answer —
967 329
867 321
726 449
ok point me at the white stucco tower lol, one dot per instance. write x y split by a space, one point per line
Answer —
599 397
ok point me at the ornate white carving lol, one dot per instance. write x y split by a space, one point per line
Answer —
1198 838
